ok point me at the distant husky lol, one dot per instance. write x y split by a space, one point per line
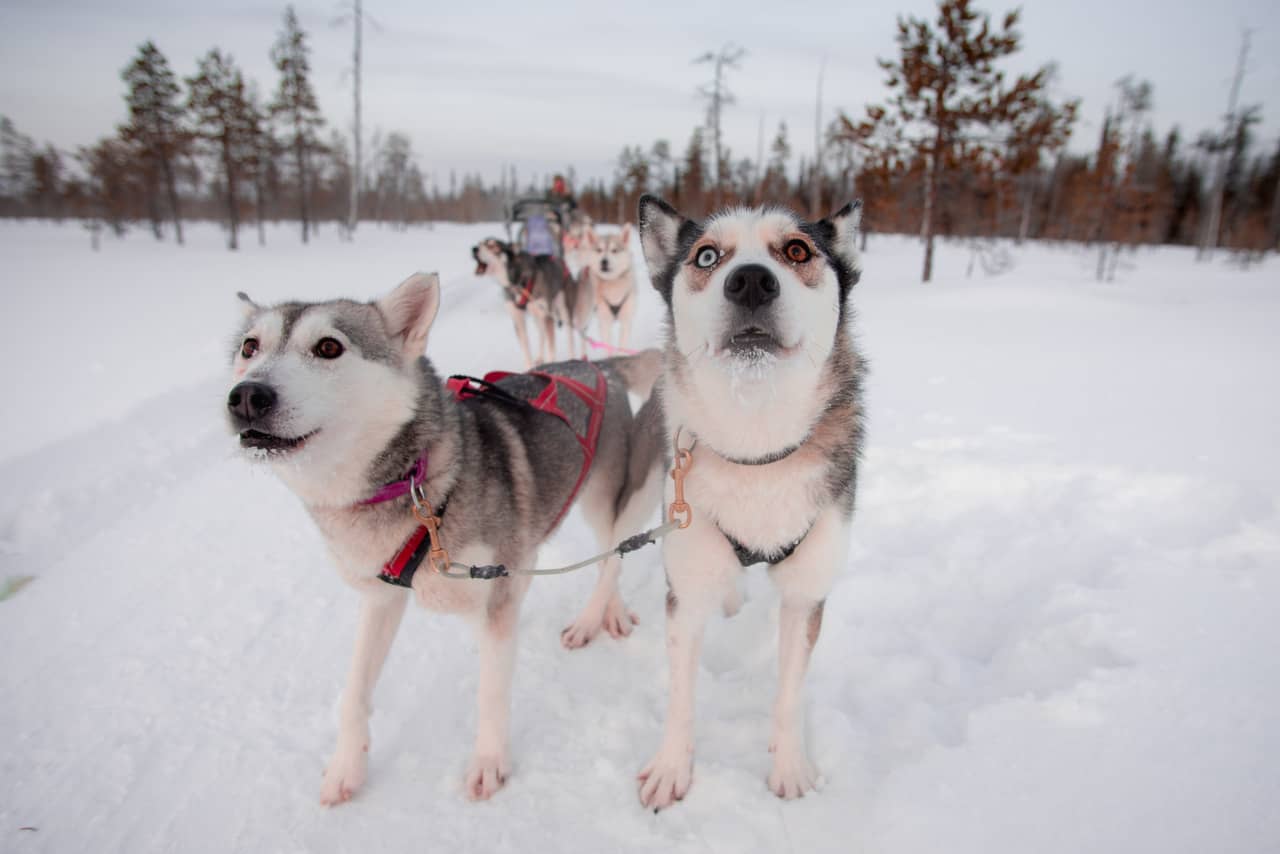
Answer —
540 285
339 398
762 383
613 281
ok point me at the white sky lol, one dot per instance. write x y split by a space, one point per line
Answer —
544 85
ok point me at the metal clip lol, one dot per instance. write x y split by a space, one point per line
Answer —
438 557
683 462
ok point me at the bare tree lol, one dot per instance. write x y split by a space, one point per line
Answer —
357 17
718 97
1213 222
224 120
815 186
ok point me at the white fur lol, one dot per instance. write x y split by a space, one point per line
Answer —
746 408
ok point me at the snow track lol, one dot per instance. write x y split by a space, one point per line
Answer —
1057 631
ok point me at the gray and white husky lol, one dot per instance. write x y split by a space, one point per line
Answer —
761 381
340 400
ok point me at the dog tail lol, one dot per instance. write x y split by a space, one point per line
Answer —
639 372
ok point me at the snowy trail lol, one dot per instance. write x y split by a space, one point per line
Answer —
1056 633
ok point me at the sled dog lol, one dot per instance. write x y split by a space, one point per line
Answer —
614 284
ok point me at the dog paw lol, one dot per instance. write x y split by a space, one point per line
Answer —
666 779
580 632
343 777
618 621
792 775
485 776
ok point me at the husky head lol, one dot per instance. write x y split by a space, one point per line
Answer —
610 256
324 389
495 258
752 287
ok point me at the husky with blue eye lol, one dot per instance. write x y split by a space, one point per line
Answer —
761 386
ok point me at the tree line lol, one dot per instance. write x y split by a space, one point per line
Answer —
958 149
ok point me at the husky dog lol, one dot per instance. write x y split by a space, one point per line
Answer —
540 285
761 381
614 283
340 400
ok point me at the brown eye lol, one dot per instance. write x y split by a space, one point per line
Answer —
249 348
797 251
328 348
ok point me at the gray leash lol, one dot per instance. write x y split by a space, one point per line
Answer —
633 543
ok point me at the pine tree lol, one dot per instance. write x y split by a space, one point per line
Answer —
945 88
155 124
295 103
225 121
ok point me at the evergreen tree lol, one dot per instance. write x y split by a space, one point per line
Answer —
225 121
945 86
295 103
155 125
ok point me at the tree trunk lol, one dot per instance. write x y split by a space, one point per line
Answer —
233 215
930 199
300 155
171 190
353 213
1028 200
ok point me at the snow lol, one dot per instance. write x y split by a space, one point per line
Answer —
1057 631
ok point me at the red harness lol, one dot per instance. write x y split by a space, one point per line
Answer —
464 388
402 566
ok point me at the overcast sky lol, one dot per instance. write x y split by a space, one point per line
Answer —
543 85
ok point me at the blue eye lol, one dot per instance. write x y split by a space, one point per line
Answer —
707 257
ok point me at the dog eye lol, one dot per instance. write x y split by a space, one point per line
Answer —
706 258
797 251
249 348
328 348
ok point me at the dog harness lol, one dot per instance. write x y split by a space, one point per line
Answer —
616 309
400 570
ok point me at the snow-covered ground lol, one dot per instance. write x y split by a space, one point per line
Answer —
1058 632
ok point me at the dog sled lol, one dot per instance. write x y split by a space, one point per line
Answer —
540 225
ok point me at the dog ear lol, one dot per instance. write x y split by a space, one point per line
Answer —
660 227
248 306
838 237
409 311
625 236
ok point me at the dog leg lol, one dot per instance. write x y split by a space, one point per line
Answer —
380 614
549 338
624 321
490 764
793 774
700 565
604 318
803 581
605 609
522 333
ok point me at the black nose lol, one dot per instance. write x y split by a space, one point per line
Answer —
751 286
604 264
249 401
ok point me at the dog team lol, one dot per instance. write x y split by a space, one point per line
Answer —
441 490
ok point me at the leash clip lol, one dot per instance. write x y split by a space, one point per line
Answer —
438 556
683 462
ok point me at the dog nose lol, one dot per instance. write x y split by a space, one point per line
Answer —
249 400
604 264
751 286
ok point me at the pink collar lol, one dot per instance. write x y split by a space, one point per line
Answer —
416 476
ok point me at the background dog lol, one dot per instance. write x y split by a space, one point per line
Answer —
539 285
613 282
339 399
761 380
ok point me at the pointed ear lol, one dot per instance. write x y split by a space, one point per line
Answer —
409 311
248 306
626 233
838 235
660 231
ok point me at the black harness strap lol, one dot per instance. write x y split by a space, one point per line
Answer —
750 557
399 571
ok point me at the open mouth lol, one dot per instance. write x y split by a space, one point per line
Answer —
752 338
481 266
260 441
